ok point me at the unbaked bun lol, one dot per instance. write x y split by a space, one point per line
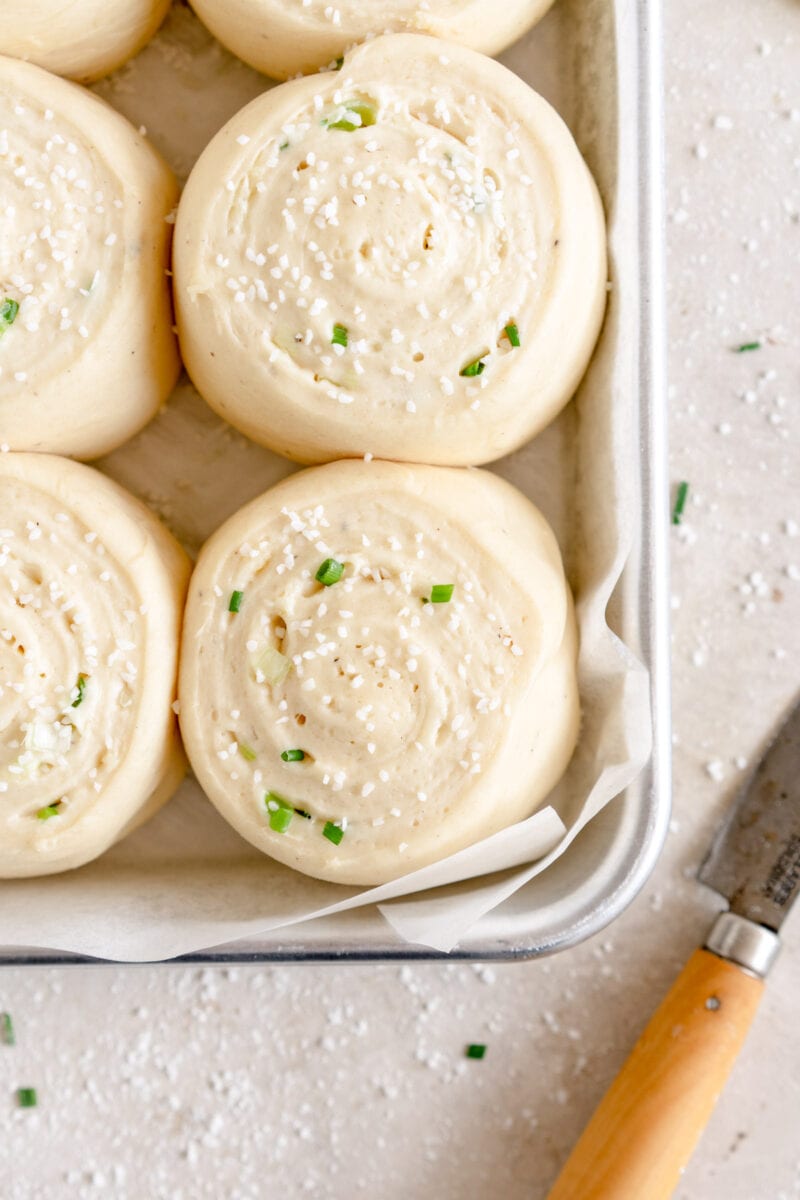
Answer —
379 667
287 37
82 39
405 258
87 352
91 594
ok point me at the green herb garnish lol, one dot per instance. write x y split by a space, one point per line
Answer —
356 115
512 333
339 63
81 686
283 146
339 336
475 1050
8 314
7 1029
293 755
330 572
26 1097
235 602
476 367
280 812
441 593
745 346
50 810
334 833
247 752
680 502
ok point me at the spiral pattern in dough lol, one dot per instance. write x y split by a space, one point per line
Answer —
405 258
87 352
82 39
420 699
287 37
91 591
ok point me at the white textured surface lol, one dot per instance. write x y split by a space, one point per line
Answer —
344 1082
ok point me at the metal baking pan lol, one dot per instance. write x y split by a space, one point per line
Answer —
611 51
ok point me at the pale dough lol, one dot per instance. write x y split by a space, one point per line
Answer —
425 207
82 39
91 598
286 37
425 723
87 351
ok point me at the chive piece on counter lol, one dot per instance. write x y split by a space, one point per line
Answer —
80 684
247 752
7 1029
680 502
235 602
339 337
475 1050
334 833
330 572
745 346
50 810
26 1097
476 367
512 333
293 755
442 593
280 812
8 314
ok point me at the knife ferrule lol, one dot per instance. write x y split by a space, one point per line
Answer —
752 947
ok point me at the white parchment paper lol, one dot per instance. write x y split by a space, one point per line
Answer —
185 881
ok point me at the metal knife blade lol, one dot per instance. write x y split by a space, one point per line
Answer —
754 860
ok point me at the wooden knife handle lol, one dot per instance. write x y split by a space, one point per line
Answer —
649 1121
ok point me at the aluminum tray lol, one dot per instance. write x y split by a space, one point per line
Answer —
609 862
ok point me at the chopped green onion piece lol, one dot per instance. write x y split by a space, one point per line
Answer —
7 1029
283 146
8 314
512 333
356 115
340 62
334 833
50 810
441 593
339 336
476 367
280 812
26 1097
293 755
330 572
247 752
273 665
745 346
475 1050
680 502
81 686
235 602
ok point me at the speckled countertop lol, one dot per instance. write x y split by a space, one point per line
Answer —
181 1084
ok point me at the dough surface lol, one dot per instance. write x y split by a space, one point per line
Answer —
286 37
82 39
357 253
425 724
91 596
87 352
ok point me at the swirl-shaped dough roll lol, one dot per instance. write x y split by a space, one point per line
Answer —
287 37
91 594
405 258
379 667
82 39
87 352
